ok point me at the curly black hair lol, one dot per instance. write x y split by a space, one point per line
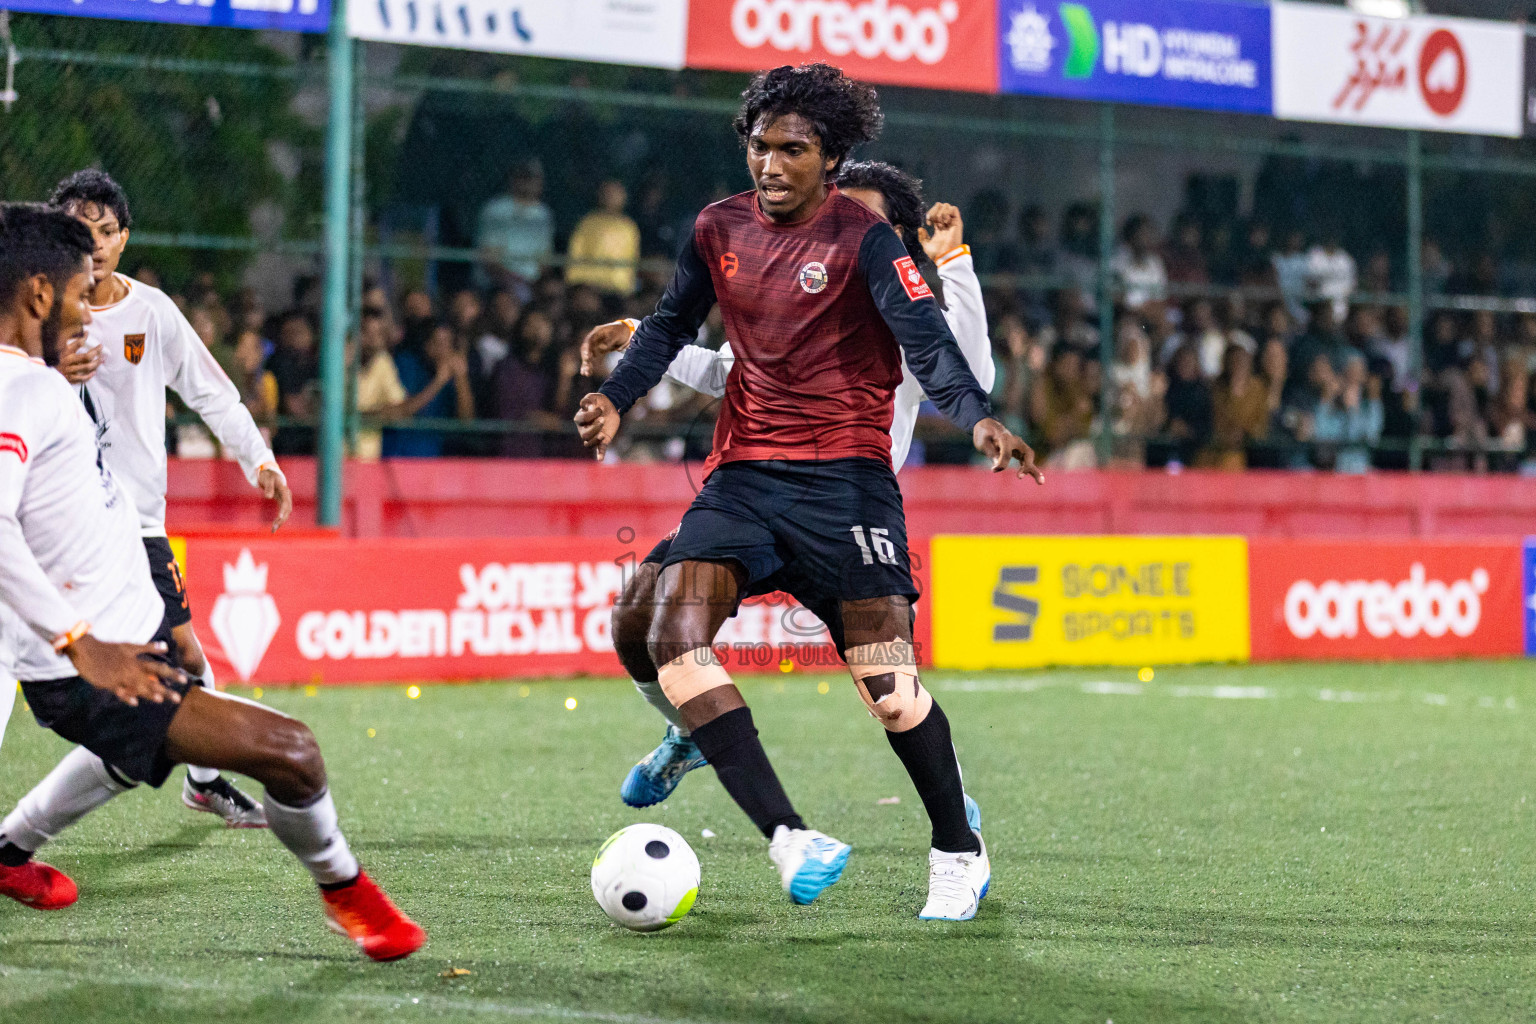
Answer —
93 186
35 239
903 196
844 112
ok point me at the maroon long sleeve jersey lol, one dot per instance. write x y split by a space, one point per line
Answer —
819 314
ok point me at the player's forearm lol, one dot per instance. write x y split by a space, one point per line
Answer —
25 588
208 391
967 314
662 335
699 368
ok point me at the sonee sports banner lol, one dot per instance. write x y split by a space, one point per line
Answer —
1025 602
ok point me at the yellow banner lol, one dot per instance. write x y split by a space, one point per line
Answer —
1025 602
179 552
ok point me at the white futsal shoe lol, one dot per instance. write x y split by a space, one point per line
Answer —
809 862
956 884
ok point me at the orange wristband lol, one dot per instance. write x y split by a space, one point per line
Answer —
64 640
631 323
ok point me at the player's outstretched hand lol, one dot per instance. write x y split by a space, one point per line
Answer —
597 421
123 670
600 341
948 230
275 486
78 363
1002 446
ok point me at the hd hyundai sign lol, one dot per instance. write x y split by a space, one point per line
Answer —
1178 53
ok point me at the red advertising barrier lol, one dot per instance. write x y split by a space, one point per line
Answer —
1384 600
551 497
936 44
348 611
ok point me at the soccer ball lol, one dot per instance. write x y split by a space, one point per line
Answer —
645 877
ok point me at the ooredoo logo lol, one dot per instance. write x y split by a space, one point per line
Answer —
1415 606
1442 72
871 29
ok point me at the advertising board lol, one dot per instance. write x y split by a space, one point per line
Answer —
1443 74
329 611
647 32
1023 602
293 15
938 44
1385 599
1178 53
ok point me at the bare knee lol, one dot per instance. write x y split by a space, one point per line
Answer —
632 624
295 770
692 600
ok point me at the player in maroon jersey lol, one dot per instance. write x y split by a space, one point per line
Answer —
821 301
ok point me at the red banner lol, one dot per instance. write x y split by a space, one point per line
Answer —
935 44
351 611
1372 600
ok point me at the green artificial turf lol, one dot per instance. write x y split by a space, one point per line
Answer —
1269 843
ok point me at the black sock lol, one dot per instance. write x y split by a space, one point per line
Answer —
13 856
929 756
333 886
731 745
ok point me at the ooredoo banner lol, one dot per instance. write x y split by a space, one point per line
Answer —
937 44
1180 53
349 611
1024 602
648 32
1385 599
1443 74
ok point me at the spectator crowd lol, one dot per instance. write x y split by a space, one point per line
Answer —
1233 346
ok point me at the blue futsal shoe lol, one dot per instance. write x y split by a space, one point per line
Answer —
809 862
972 814
653 780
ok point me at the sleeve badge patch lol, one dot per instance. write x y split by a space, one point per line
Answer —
912 279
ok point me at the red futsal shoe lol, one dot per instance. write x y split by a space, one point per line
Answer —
38 885
365 915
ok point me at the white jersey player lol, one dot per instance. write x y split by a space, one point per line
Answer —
73 569
895 195
137 346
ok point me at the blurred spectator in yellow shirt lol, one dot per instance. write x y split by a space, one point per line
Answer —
606 244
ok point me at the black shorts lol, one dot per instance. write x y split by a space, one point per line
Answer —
821 531
168 581
130 739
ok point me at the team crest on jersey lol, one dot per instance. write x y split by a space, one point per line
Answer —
813 278
729 264
133 348
15 445
912 279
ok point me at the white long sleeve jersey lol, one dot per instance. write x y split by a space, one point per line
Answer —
69 535
148 346
705 370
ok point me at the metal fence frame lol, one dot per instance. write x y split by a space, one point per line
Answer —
344 249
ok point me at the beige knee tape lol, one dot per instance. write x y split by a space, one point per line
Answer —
696 672
886 675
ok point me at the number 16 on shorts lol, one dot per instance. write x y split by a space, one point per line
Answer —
879 540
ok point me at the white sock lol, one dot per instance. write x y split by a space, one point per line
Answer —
312 835
203 776
77 786
651 691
